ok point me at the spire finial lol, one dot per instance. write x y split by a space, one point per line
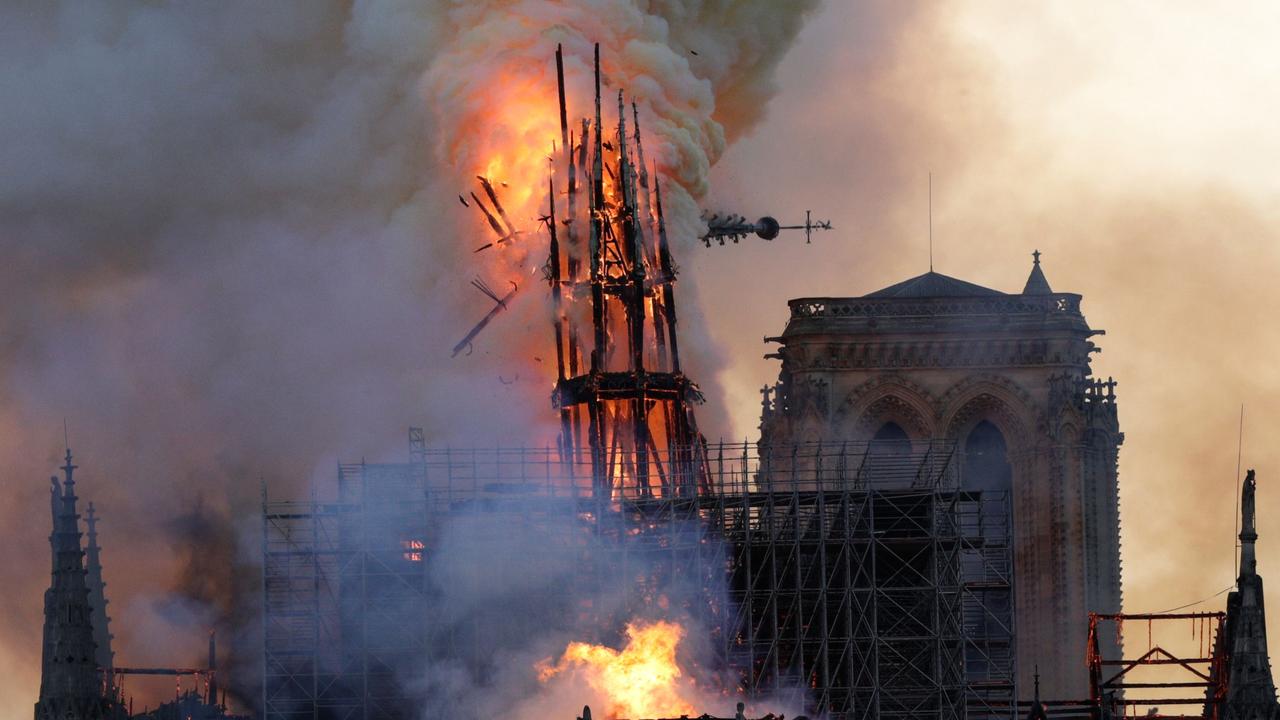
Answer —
68 469
1037 682
1037 284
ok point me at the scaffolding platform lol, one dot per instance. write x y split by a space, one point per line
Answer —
870 582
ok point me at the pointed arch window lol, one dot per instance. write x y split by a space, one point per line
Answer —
891 439
986 459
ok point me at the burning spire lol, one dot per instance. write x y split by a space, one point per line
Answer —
637 404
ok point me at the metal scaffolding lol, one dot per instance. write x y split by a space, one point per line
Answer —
867 581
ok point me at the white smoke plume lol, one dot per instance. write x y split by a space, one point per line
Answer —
233 256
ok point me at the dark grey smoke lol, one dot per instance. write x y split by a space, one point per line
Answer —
511 588
227 261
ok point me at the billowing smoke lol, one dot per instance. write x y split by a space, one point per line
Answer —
510 590
1138 162
234 257
698 73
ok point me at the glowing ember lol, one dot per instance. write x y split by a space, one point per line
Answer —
642 680
413 550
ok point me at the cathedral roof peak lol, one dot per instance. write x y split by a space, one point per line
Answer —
932 285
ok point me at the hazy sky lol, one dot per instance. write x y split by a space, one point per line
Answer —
1133 143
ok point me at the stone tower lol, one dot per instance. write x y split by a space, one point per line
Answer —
1251 691
71 687
1005 377
102 636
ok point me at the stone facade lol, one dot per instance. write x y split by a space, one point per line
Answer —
1007 378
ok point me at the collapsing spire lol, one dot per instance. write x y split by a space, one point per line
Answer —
624 374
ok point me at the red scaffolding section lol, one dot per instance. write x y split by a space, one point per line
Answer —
1195 685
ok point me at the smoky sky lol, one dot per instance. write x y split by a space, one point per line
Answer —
1129 145
234 258
229 262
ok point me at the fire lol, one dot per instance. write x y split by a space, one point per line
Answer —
512 127
642 680
413 550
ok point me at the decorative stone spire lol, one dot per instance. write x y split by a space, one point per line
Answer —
102 636
1036 282
70 685
1038 710
1251 692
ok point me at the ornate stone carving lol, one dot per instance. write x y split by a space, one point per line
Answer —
892 408
991 406
809 397
992 380
882 384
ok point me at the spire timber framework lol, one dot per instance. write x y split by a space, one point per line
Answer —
622 372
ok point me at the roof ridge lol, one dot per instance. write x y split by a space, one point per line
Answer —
933 284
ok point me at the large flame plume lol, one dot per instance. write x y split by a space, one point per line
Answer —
492 93
228 234
642 680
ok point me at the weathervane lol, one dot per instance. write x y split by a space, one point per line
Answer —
735 227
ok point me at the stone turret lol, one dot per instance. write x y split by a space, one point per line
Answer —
1037 283
71 687
105 657
1251 691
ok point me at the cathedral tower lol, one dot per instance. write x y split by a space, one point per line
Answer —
1006 379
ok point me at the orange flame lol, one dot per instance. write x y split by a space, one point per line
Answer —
511 135
642 680
413 550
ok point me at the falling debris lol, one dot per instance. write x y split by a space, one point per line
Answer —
463 201
505 231
500 304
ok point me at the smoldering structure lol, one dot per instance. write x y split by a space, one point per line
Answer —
929 518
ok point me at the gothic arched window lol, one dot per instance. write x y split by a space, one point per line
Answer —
986 460
891 439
